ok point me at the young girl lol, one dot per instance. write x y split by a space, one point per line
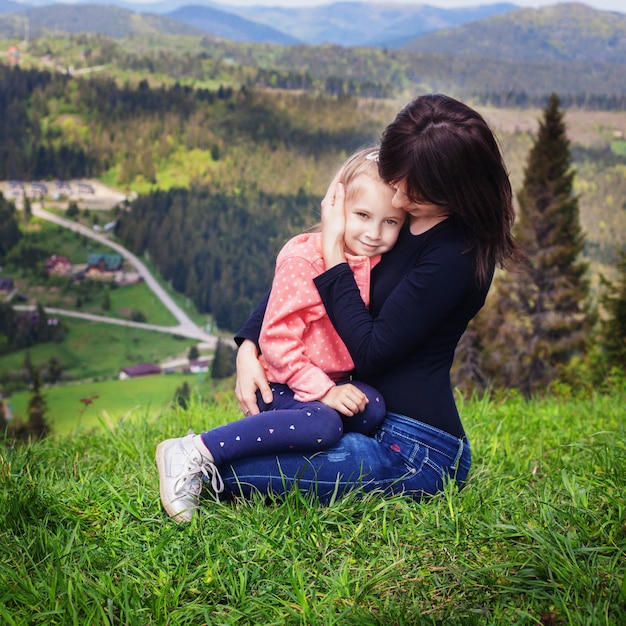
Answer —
314 401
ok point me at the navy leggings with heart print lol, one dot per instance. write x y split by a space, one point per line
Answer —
286 425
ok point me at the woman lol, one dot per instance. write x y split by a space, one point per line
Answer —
448 174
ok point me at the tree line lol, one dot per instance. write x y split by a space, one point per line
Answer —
60 127
539 324
216 247
337 70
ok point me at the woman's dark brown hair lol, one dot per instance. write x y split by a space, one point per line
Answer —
446 154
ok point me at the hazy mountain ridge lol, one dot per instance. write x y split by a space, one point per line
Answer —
364 23
342 23
111 21
8 6
229 25
564 32
561 33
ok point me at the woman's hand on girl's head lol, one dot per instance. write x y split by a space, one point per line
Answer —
334 223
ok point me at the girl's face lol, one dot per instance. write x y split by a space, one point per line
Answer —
373 223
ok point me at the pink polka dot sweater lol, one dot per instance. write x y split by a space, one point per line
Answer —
299 344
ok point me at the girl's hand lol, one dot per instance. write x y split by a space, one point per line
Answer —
333 223
345 399
250 377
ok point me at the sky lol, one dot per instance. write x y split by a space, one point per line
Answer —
604 5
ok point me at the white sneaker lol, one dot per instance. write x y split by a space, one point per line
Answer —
181 470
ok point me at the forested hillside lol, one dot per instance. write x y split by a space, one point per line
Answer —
226 175
331 69
218 248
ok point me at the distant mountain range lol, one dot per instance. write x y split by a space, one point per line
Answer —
562 32
229 25
365 23
111 21
342 23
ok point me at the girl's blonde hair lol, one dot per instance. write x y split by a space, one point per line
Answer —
363 162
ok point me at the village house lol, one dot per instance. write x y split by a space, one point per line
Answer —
99 263
57 264
38 190
6 285
62 190
14 55
142 369
198 366
86 188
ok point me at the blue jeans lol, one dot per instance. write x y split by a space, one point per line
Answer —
403 456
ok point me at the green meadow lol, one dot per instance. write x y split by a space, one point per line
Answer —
99 350
538 535
92 404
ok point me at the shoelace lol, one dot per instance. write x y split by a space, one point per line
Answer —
189 483
210 471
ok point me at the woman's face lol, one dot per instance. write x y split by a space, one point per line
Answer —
402 201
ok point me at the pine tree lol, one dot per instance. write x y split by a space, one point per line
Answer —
541 314
223 364
28 209
182 395
37 407
10 233
613 326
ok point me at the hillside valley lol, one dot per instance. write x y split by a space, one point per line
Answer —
221 141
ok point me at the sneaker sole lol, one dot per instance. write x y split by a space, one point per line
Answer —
177 516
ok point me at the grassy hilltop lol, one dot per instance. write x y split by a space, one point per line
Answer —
536 537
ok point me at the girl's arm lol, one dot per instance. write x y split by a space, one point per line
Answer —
250 378
294 305
333 224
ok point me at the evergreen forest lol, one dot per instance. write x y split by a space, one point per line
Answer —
224 159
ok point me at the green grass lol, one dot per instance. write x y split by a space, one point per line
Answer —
139 297
70 407
619 147
538 536
94 350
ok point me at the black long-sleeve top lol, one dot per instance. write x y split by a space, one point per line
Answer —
423 295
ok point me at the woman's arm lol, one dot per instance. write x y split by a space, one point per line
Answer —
250 378
252 326
250 372
421 301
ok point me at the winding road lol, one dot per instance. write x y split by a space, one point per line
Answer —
186 327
